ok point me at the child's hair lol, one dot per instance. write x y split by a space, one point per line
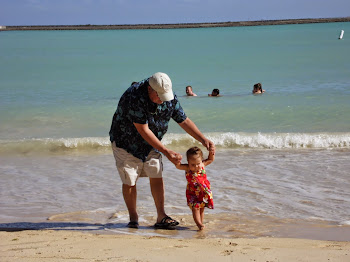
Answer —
194 151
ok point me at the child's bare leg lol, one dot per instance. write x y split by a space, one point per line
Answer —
196 212
202 214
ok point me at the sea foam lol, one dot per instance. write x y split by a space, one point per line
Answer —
181 141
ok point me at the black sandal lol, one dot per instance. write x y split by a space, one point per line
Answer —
133 224
173 221
166 223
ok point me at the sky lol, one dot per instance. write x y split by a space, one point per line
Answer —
107 12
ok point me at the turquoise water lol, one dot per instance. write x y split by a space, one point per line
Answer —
67 84
284 154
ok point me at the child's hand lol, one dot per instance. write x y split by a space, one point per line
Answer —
180 166
179 157
212 148
178 161
173 156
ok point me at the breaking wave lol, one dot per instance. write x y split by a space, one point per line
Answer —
179 141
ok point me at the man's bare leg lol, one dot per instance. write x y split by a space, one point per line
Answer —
130 197
157 189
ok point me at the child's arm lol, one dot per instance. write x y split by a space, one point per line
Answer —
180 166
210 159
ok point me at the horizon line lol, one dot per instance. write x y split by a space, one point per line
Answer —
178 25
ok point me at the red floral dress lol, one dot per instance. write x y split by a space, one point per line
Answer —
198 191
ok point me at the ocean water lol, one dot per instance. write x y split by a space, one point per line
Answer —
283 156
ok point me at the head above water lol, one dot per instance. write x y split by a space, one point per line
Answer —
215 92
161 83
257 88
189 90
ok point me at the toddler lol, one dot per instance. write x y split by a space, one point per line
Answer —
198 191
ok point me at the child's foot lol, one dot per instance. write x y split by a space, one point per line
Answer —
200 227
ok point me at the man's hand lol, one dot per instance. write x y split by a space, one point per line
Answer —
209 145
173 157
148 135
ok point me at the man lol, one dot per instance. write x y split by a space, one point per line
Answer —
138 126
189 91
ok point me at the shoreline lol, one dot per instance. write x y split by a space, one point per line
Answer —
223 226
48 245
176 25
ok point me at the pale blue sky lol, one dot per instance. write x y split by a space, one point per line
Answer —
64 12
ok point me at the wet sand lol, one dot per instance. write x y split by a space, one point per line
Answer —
47 245
223 226
178 25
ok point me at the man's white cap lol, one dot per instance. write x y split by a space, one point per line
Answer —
161 83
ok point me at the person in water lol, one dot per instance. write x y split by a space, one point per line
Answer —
257 89
189 91
198 191
215 92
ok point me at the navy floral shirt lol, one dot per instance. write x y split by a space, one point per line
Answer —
135 106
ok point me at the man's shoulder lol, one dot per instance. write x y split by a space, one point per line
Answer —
135 92
172 102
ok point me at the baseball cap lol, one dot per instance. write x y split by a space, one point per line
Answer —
161 83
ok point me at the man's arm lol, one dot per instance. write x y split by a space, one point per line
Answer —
193 131
151 139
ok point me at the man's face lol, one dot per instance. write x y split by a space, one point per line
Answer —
154 96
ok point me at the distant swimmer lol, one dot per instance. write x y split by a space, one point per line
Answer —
189 91
257 89
215 92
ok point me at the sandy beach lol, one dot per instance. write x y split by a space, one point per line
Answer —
48 245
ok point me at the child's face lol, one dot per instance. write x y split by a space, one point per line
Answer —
195 163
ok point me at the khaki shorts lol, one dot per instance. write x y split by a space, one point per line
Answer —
130 168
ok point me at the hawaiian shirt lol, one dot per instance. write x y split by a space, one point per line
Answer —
135 106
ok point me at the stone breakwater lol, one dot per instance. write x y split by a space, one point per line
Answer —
174 26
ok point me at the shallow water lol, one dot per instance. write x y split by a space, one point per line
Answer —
308 188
